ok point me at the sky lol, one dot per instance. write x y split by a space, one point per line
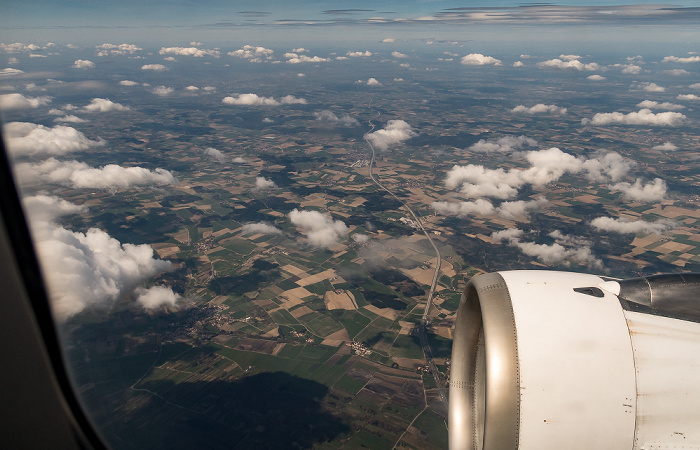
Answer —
82 21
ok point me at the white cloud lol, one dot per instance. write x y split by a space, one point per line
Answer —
162 90
623 226
573 64
84 270
262 183
192 88
650 104
569 57
295 58
156 296
520 208
25 138
360 238
595 77
373 82
546 166
396 54
695 86
79 175
9 71
188 51
18 47
215 154
479 207
477 59
329 117
128 83
253 54
239 160
518 64
19 101
320 229
394 132
676 72
505 144
154 67
104 105
539 108
642 117
260 227
631 69
83 64
170 59
69 119
256 100
650 87
359 54
654 191
388 40
564 251
666 146
688 97
689 59
121 49
12 60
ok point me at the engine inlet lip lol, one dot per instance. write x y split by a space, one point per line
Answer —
485 308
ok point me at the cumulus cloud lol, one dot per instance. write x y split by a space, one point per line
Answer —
539 108
25 138
394 132
623 226
373 82
520 208
695 86
18 47
9 71
104 105
260 227
630 69
595 77
688 97
154 67
215 154
546 166
329 117
253 54
396 54
192 88
320 229
156 296
360 238
565 250
479 207
256 100
188 51
79 175
114 49
571 64
676 72
128 83
650 87
83 64
262 183
388 40
505 144
162 90
688 59
69 119
295 58
359 54
477 59
518 64
654 191
668 106
19 101
642 117
84 270
666 146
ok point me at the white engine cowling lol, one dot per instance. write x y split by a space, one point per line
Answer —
555 360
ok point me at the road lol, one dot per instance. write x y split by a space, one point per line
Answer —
429 302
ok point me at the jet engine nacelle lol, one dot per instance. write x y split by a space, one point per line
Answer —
556 360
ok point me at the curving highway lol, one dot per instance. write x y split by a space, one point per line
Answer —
429 302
